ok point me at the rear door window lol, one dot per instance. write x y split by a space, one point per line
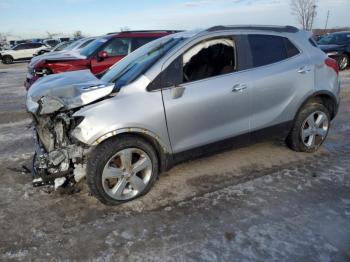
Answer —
269 49
35 45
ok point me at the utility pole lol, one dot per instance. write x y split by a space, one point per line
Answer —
325 28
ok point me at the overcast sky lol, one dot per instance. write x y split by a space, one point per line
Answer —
32 18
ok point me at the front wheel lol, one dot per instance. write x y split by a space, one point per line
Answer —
122 169
310 128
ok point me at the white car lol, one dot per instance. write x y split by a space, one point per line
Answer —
21 52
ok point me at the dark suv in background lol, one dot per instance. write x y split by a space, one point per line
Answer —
337 46
97 56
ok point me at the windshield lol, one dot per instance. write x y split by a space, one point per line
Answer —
135 64
335 39
93 46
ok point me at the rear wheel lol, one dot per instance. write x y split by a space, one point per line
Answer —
7 59
122 169
343 62
310 128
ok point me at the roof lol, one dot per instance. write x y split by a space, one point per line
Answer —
340 32
279 29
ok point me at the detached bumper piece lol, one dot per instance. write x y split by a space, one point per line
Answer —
43 163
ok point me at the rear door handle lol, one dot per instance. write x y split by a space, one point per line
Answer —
304 69
239 87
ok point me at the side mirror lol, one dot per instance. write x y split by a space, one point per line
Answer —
102 55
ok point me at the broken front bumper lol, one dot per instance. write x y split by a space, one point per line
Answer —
56 155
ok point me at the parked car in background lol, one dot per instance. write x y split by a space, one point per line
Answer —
177 97
337 46
80 43
97 56
21 52
59 47
51 42
73 45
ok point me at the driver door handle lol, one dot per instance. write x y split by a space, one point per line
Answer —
239 87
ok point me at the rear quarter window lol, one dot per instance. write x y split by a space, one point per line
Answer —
269 49
313 42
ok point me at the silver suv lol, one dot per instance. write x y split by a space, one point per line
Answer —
177 97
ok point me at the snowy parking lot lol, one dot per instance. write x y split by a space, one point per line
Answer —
260 202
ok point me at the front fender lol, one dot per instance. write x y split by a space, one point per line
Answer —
131 110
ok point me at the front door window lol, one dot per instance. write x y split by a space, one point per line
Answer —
209 58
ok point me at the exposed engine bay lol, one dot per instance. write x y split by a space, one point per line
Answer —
57 153
52 101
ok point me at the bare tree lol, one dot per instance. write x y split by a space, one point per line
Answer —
77 34
305 11
124 29
52 35
2 40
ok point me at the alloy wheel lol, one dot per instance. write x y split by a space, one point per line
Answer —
127 174
314 129
343 62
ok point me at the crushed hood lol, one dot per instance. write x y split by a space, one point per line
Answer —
56 56
65 91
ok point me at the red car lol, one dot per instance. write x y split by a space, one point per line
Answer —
97 56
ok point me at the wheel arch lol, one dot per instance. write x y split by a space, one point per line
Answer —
7 55
326 98
163 152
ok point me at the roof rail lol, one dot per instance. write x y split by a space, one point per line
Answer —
147 31
280 29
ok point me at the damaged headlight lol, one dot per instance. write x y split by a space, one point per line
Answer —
49 105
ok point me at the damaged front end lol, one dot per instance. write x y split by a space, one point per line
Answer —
57 154
52 101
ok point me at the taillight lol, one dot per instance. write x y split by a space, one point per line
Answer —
332 64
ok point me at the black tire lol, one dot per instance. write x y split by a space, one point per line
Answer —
7 59
104 152
294 139
343 62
